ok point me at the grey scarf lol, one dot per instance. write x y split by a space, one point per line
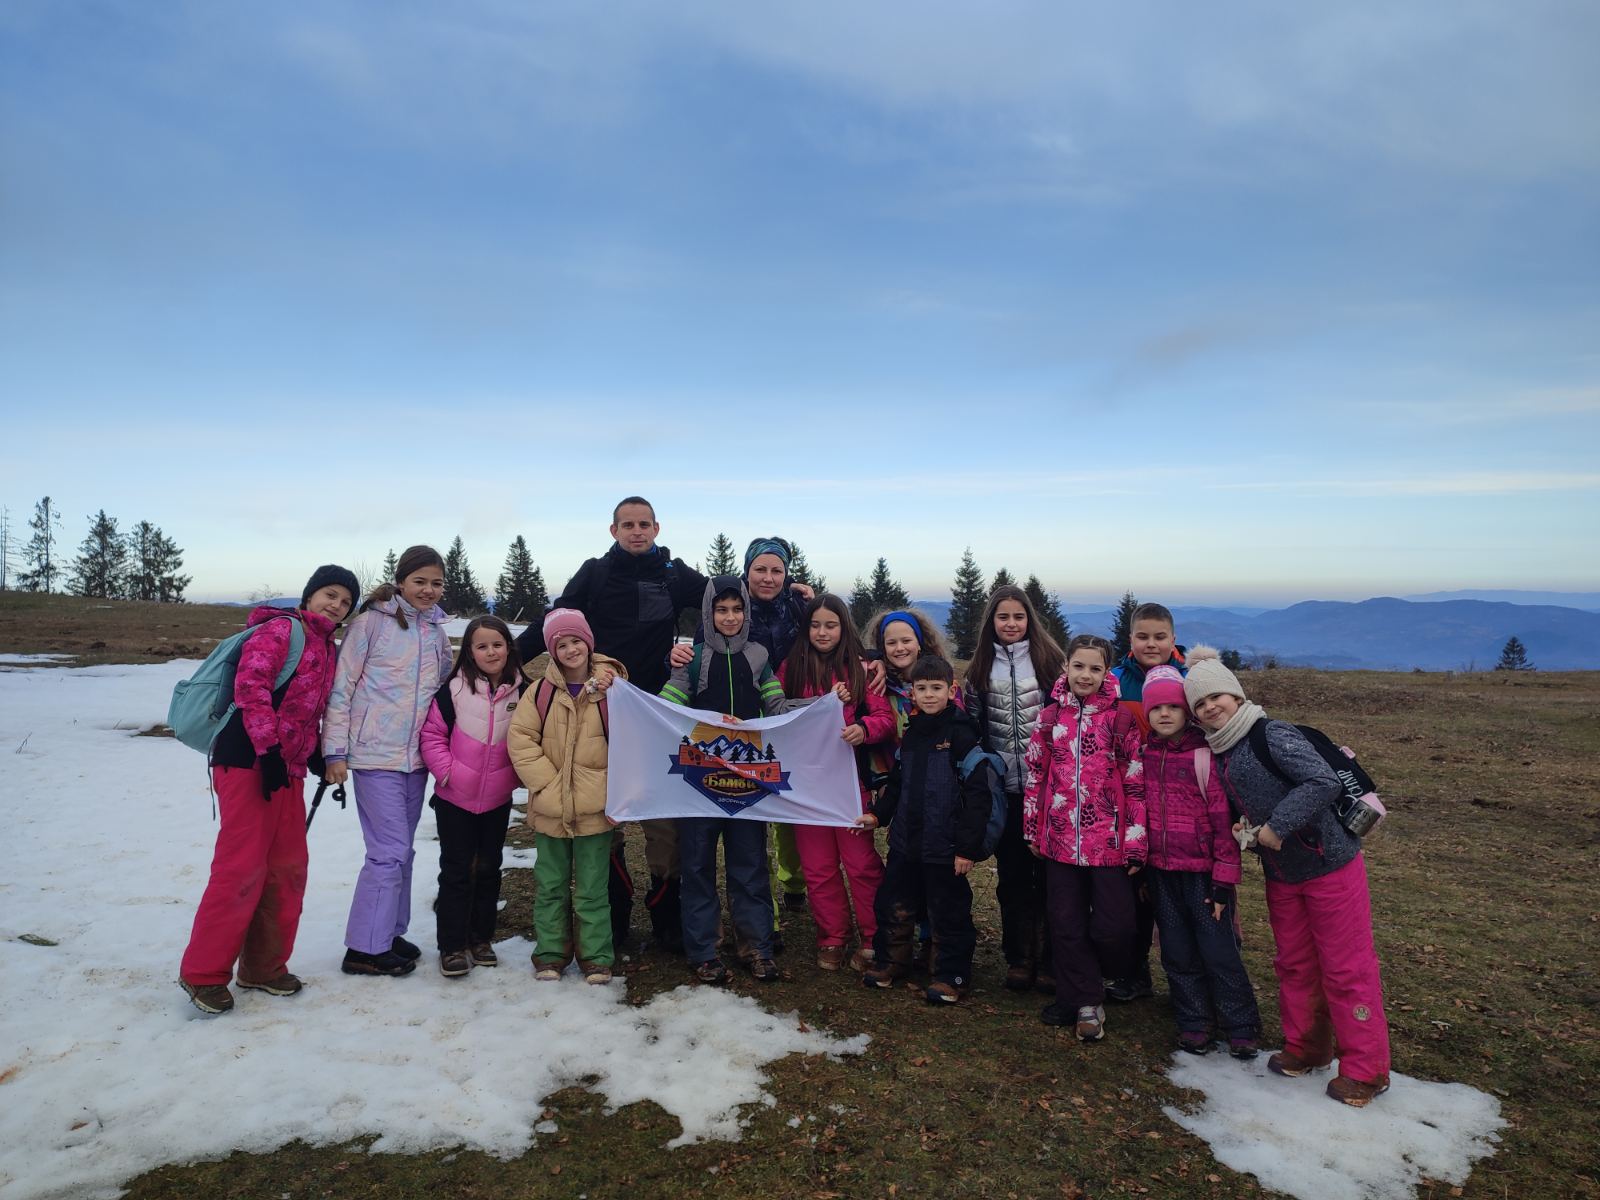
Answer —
1224 739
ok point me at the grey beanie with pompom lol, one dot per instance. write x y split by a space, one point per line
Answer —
1208 677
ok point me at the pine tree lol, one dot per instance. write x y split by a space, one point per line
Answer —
1122 627
520 595
800 570
463 596
101 568
391 567
40 552
861 604
1002 578
1513 656
721 560
1233 660
967 599
886 590
1049 610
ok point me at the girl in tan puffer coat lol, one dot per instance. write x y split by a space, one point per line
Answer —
559 746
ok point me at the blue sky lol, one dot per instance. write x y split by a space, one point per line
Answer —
1244 302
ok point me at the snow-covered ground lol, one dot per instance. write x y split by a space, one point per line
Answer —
1294 1139
106 1070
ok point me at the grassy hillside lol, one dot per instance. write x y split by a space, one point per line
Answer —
1486 918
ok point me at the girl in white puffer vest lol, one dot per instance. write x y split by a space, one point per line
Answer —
1007 684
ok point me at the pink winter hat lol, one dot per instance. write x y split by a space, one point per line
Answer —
566 622
1163 685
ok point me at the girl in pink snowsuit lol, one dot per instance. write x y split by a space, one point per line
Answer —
827 657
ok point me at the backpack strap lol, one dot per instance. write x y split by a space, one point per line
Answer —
291 660
1263 751
1202 768
447 705
544 695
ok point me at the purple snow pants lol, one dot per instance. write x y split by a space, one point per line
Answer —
390 805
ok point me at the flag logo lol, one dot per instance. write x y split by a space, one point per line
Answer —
732 768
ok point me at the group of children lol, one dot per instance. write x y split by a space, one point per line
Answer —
1129 786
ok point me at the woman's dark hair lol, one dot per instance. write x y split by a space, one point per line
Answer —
413 560
1090 641
1048 658
807 669
466 665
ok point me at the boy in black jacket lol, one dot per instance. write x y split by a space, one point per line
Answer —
936 824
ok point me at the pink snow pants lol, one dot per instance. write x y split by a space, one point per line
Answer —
251 907
823 850
1328 983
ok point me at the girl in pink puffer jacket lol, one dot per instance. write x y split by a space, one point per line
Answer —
464 747
1194 872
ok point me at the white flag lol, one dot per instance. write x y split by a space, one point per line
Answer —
671 761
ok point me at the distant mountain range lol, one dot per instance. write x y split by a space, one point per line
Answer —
1385 633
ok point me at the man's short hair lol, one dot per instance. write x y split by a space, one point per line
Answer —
1153 612
627 500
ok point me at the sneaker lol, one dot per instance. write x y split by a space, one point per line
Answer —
404 949
830 958
882 976
713 972
545 972
483 955
1091 1023
765 970
1243 1048
1356 1093
863 958
387 963
1191 1042
281 985
1125 991
210 998
940 992
1020 977
596 973
794 901
1292 1066
454 963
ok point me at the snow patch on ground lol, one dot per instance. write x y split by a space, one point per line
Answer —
1294 1139
108 1070
11 660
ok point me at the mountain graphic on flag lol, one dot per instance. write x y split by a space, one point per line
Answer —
732 768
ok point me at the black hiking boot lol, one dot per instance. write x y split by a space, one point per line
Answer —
387 963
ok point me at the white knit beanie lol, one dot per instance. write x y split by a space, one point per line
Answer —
1208 677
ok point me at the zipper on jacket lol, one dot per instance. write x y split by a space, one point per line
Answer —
1016 708
1077 789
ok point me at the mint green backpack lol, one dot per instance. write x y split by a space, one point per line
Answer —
203 703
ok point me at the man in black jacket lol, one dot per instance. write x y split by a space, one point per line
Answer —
631 596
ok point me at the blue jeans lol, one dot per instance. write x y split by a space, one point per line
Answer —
744 851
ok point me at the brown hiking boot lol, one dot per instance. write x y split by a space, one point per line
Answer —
281 985
1019 977
830 958
1292 1066
483 955
862 959
453 964
940 992
1355 1093
882 975
595 973
210 998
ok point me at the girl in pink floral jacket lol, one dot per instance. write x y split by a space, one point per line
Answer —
1083 813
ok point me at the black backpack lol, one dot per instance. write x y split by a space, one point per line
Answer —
1357 806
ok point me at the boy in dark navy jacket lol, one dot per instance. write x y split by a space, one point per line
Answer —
936 822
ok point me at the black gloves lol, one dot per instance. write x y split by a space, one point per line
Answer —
274 772
1221 893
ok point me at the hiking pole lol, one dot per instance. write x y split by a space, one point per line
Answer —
338 794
